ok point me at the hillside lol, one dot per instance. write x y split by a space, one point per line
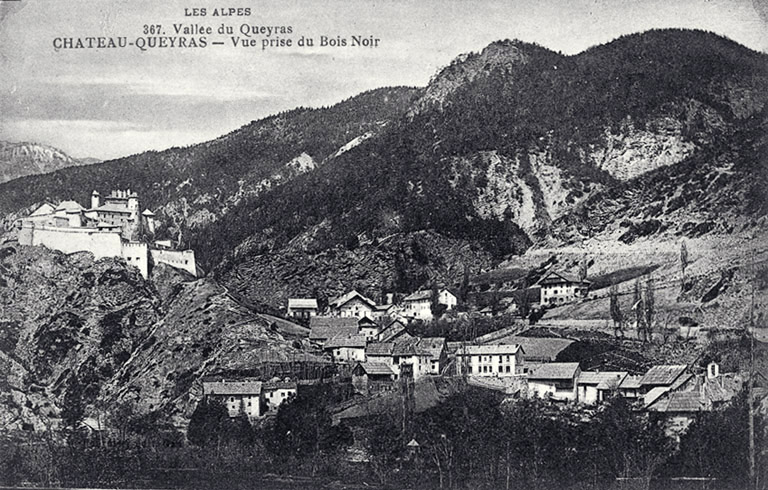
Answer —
504 149
189 187
22 159
99 331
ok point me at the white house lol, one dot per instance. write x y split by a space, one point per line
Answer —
447 298
490 360
556 380
275 393
419 304
302 307
558 288
596 386
353 304
238 396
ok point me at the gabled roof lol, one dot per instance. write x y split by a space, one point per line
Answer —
69 207
553 370
374 368
112 208
663 375
379 348
225 387
345 298
605 380
326 327
279 385
367 322
678 401
654 395
302 303
147 212
538 348
393 330
43 209
555 277
409 346
357 341
488 349
630 382
419 295
434 345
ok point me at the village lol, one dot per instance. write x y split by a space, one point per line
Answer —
371 348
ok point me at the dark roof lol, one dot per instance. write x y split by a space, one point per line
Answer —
434 345
604 380
409 346
344 298
554 277
392 330
663 375
553 370
679 401
379 348
537 348
374 368
345 341
326 327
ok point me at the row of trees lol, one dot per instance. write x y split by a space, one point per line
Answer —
474 440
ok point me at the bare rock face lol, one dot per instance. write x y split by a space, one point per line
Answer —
68 320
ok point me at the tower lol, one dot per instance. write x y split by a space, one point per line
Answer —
95 199
149 221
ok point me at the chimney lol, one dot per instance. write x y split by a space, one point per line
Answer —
390 298
713 370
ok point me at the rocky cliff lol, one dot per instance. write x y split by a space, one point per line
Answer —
69 322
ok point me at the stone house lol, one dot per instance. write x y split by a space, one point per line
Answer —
238 396
373 377
346 349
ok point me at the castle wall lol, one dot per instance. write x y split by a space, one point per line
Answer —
69 240
136 255
100 243
181 259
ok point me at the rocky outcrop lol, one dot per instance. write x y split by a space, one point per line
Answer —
68 320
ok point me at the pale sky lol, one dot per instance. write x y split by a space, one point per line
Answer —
107 103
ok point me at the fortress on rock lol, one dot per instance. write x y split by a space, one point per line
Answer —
113 227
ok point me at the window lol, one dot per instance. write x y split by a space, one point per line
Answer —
282 394
508 369
231 398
